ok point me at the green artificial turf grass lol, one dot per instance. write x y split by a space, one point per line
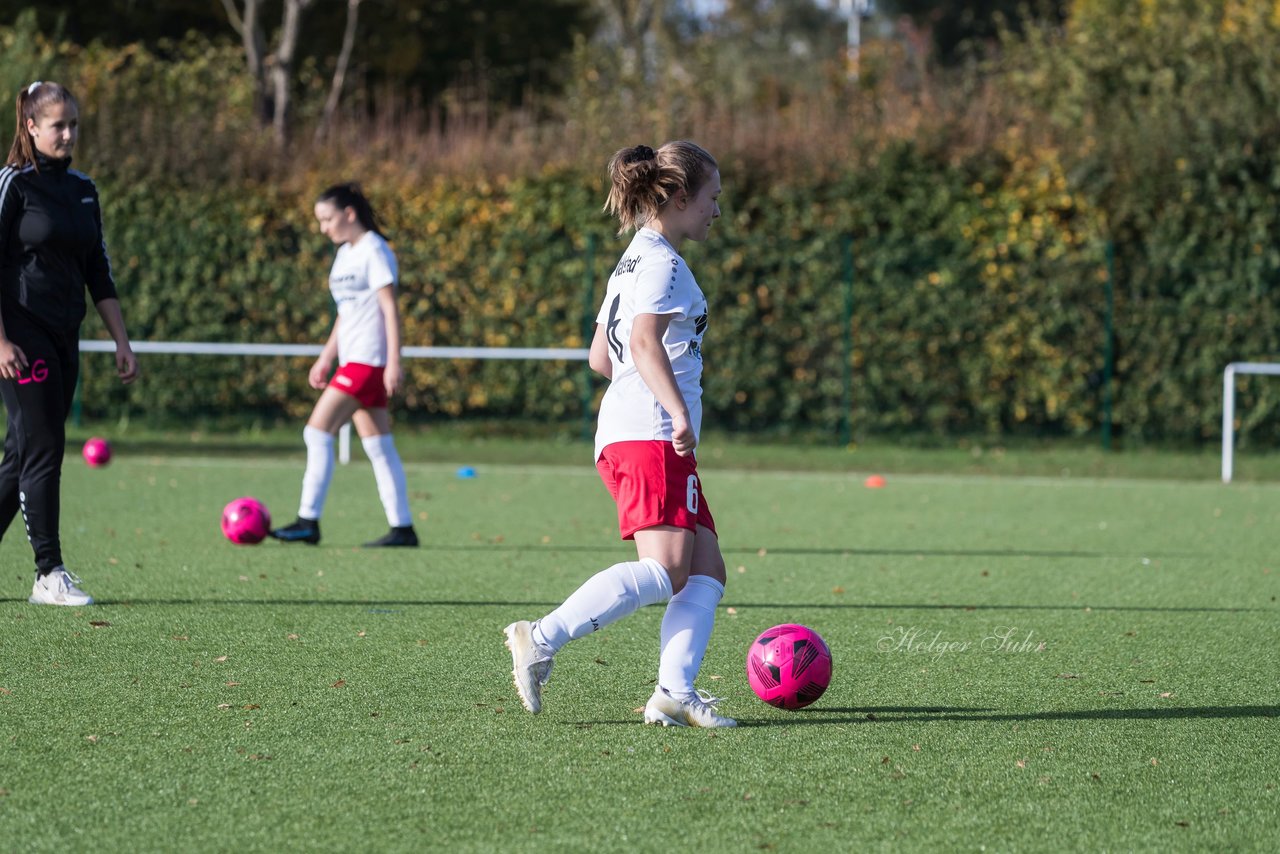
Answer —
330 698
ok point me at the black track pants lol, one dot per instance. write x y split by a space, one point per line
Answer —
37 404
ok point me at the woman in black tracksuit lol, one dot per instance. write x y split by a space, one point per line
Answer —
51 249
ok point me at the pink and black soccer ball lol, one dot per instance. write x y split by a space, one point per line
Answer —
96 452
789 666
245 521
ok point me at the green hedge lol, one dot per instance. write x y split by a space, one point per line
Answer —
978 296
1170 114
957 324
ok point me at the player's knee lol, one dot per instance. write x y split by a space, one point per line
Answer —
655 587
710 562
679 578
313 435
715 569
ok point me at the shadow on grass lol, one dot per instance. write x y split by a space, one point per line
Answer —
381 604
837 551
926 714
930 714
918 606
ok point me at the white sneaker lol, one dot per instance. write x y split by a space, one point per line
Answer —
58 588
531 667
697 709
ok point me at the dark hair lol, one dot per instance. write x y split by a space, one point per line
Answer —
349 195
31 104
643 180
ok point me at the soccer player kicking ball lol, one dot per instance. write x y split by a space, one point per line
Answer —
648 342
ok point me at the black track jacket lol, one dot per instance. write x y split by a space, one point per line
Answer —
51 248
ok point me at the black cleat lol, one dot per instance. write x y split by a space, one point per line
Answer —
301 531
403 537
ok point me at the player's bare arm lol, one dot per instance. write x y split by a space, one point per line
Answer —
113 319
12 359
393 376
598 358
318 376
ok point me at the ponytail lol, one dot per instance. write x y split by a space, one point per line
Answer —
643 180
30 105
349 195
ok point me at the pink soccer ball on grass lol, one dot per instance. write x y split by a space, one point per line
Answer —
789 666
96 452
245 521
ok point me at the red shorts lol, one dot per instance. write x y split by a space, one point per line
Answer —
653 485
363 382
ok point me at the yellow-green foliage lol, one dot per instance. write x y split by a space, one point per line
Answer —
1167 117
967 297
489 264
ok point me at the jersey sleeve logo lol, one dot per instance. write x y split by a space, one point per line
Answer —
611 330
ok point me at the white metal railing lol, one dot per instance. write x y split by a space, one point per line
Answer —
205 348
211 348
1229 406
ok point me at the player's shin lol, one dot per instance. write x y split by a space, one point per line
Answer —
686 631
606 597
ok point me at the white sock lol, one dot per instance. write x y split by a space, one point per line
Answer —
605 597
315 480
389 472
686 631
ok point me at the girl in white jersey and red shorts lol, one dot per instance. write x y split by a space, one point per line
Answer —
648 342
366 342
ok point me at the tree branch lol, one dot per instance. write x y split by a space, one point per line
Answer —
340 72
233 15
281 70
246 25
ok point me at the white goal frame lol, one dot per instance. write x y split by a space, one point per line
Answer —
213 348
1229 407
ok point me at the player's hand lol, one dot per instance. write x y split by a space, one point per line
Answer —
12 360
126 364
393 378
318 376
682 438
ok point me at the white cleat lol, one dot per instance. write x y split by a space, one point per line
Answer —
531 667
697 710
58 588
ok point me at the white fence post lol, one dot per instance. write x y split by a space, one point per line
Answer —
1229 407
1228 419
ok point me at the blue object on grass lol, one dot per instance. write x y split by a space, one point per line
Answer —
466 472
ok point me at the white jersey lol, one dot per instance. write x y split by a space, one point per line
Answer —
651 278
359 271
